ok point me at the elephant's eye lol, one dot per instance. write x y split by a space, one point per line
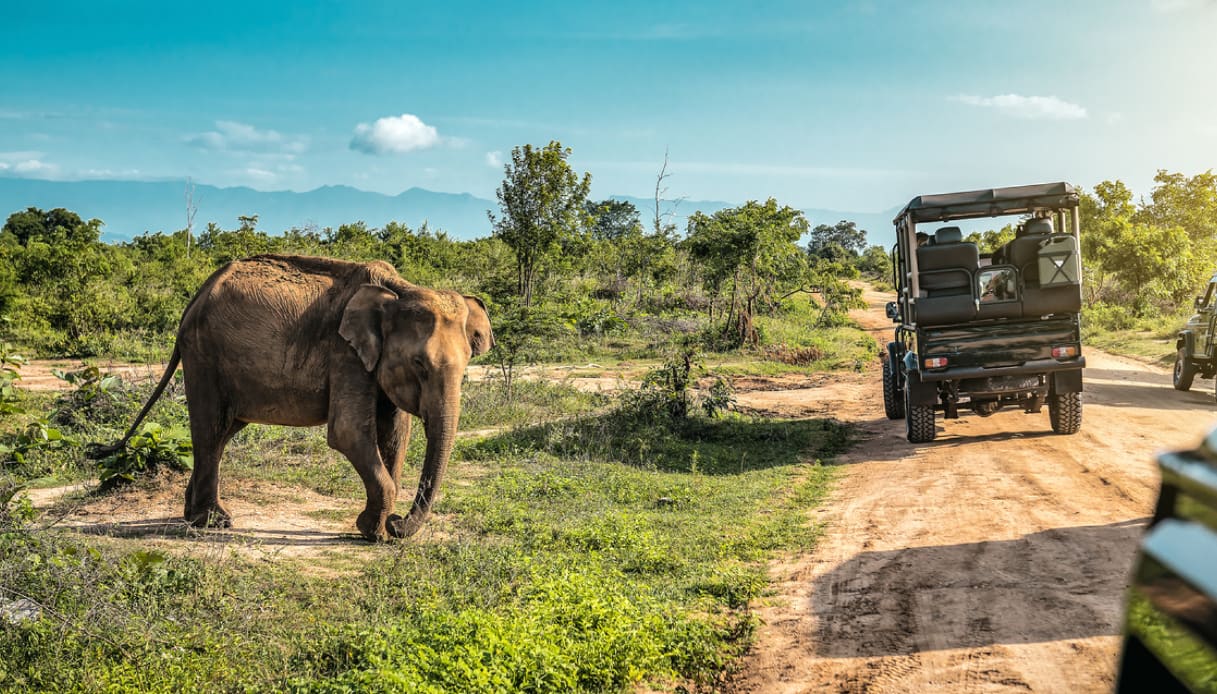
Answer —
420 364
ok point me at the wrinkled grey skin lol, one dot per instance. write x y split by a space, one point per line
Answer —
302 341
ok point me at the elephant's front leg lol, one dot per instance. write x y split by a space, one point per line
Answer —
393 438
355 437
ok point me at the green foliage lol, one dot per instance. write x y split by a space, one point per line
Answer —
1150 256
10 398
990 240
37 435
153 447
15 507
544 211
751 251
840 241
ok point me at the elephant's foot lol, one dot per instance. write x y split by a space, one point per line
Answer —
209 516
372 526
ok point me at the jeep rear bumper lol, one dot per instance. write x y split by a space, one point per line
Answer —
1037 366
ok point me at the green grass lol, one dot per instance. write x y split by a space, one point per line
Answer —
1148 338
589 547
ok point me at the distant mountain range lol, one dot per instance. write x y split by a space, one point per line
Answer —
130 208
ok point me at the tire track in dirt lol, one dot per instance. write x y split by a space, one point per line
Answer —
993 559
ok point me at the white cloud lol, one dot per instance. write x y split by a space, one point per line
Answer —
231 136
1020 106
261 174
26 164
494 159
394 135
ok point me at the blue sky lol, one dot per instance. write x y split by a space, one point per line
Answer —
844 105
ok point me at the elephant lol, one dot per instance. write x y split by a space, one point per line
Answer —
304 341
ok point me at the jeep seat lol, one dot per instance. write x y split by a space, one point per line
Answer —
945 271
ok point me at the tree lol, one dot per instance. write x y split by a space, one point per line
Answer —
52 226
990 240
840 241
613 219
543 205
753 251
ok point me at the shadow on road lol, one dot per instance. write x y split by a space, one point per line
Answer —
1064 583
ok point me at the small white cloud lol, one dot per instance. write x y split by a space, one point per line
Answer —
494 159
231 136
261 174
1020 106
27 167
1114 118
394 135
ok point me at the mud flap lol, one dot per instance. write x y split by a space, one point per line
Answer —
1067 381
920 393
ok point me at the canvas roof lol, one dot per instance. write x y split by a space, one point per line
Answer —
990 202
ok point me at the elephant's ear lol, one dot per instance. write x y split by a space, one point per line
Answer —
361 322
477 326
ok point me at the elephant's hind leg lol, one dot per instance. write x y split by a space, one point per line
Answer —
203 507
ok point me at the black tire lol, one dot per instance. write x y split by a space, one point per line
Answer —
1185 371
1065 412
893 398
918 421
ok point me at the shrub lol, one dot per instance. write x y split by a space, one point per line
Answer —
149 450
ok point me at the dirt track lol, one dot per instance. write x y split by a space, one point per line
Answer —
992 559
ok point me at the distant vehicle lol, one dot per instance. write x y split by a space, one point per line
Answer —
1194 352
1170 620
986 331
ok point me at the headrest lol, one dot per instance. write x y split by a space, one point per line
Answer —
1036 226
948 235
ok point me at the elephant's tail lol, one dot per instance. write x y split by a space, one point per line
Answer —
97 451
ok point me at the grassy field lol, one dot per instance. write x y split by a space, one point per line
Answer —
583 542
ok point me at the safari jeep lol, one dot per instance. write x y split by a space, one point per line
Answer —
1194 352
986 331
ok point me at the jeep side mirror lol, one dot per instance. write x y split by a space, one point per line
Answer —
893 310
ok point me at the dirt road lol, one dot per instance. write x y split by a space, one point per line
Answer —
992 559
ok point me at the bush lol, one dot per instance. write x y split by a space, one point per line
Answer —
148 451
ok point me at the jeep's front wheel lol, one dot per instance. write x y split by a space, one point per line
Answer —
918 421
1065 412
1185 371
893 399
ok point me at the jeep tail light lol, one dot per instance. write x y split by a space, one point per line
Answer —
1064 351
935 362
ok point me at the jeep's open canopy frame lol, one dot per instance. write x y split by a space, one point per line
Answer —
993 202
1058 199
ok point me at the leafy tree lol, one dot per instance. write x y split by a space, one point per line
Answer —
56 225
1150 261
543 205
613 220
836 242
752 251
991 239
1189 203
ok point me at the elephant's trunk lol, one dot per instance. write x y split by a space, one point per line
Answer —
441 435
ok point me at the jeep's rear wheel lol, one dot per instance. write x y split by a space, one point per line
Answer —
918 421
893 399
1185 371
1065 412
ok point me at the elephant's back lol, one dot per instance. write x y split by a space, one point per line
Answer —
269 318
